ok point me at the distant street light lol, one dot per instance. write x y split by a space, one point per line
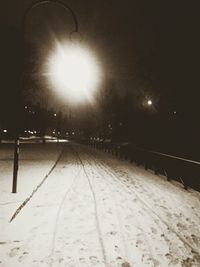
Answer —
149 102
34 5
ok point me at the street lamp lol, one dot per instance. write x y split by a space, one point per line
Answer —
30 7
58 2
73 72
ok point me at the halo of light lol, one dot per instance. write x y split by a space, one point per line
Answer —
73 72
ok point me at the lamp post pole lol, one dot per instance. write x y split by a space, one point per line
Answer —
17 131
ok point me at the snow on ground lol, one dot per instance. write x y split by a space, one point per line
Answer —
35 160
94 210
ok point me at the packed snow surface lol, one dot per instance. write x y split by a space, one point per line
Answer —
79 207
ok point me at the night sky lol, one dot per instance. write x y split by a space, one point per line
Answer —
146 48
152 41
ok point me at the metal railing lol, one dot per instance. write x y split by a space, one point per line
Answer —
174 168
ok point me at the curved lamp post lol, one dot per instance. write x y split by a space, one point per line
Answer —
29 8
43 2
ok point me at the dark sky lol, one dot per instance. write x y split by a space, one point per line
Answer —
144 46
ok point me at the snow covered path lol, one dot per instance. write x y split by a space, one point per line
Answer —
95 210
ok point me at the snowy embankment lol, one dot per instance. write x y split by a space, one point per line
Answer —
95 210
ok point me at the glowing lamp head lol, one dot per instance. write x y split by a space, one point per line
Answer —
149 102
73 72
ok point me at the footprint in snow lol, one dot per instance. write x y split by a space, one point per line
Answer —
128 227
187 262
93 259
154 231
14 251
113 233
155 262
126 264
117 250
187 219
172 260
141 212
23 256
196 239
181 226
129 216
139 242
109 211
82 259
163 207
60 260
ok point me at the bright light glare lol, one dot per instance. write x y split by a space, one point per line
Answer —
149 102
74 72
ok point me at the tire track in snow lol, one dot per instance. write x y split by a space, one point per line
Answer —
96 211
115 206
101 174
151 254
58 215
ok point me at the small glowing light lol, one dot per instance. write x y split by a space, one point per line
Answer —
73 71
55 114
175 112
5 131
149 102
